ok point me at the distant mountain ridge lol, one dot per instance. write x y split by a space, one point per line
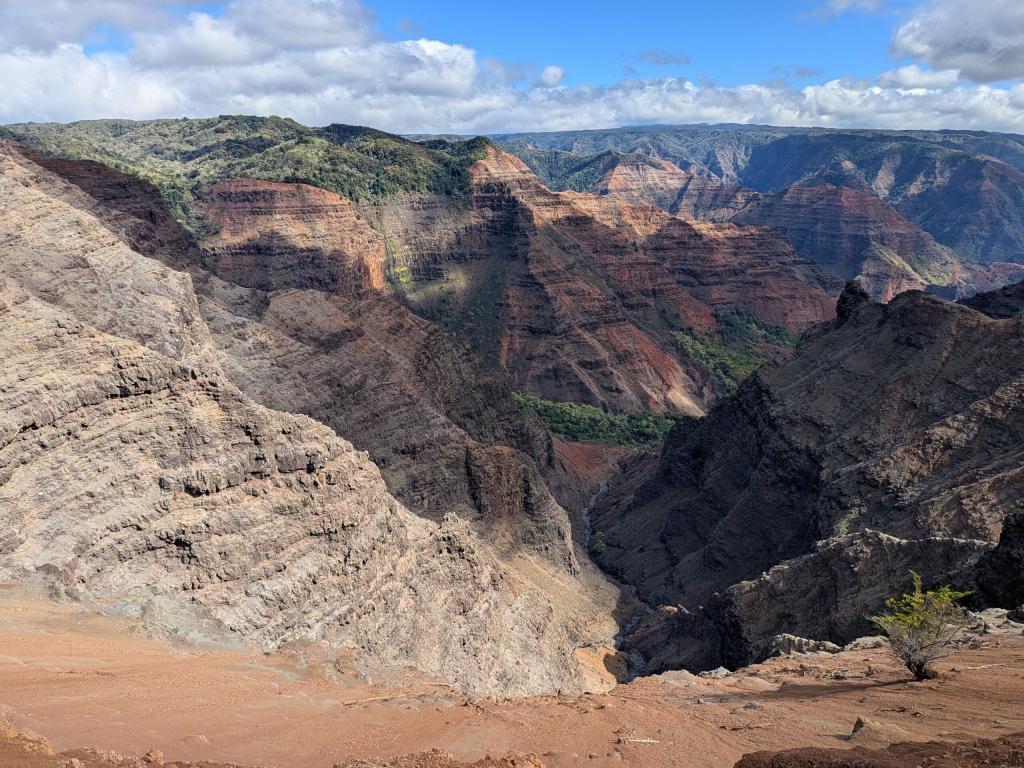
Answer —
958 196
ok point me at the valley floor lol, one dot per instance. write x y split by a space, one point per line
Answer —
81 679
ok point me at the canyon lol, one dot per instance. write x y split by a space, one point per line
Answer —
269 392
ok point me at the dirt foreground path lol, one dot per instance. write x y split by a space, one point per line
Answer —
82 679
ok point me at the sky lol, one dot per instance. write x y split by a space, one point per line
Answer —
468 67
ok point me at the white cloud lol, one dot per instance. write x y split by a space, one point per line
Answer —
913 76
304 24
982 39
65 84
552 75
201 41
46 24
323 61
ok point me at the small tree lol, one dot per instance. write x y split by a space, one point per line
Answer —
923 626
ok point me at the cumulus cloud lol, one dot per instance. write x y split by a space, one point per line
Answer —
323 61
552 75
983 40
46 24
65 84
201 41
913 76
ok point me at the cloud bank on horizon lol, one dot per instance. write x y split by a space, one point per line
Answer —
324 61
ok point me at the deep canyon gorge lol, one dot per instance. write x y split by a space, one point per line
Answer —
528 417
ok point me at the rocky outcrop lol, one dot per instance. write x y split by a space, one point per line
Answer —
904 419
823 598
787 645
828 594
134 474
1002 303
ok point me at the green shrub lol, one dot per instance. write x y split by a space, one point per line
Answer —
744 343
585 422
923 626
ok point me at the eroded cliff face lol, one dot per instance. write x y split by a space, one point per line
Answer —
638 180
853 233
142 478
274 236
1001 571
904 419
416 400
967 200
577 295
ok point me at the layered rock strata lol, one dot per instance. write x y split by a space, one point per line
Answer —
134 474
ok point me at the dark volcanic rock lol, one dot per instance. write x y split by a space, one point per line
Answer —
1001 571
1002 303
829 593
906 419
825 595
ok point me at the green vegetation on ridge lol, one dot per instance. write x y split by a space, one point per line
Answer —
566 170
178 156
746 343
587 423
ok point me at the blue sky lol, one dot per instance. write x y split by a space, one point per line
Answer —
729 42
475 67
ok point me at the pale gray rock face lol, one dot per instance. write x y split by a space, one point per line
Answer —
786 644
134 474
829 593
443 428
